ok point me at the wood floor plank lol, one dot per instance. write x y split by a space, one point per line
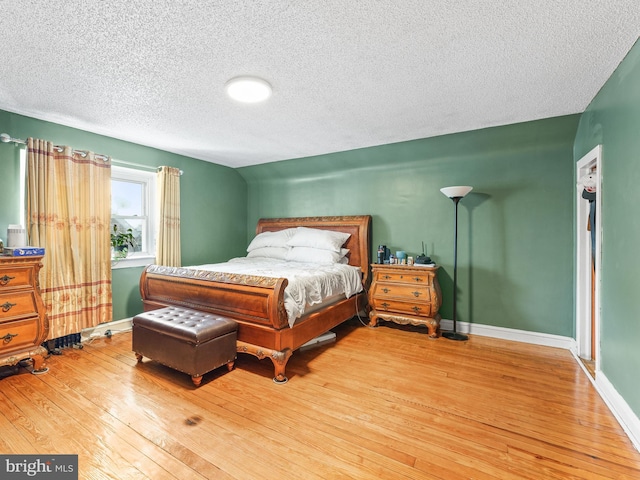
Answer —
163 464
382 402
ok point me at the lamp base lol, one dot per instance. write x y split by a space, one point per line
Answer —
455 336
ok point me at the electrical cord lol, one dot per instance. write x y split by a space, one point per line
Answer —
107 334
364 323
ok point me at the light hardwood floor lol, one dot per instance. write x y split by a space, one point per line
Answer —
384 403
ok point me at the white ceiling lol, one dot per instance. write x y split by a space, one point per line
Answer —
346 74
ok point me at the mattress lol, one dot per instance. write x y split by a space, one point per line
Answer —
309 284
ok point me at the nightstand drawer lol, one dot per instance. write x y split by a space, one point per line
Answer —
419 278
402 290
408 307
16 277
18 334
16 305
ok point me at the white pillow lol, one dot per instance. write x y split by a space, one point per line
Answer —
315 255
269 252
316 238
271 239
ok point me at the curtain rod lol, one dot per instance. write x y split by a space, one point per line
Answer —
115 161
6 138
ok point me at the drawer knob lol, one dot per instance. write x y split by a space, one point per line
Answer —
8 337
385 305
416 294
416 309
6 306
385 290
417 279
386 277
5 280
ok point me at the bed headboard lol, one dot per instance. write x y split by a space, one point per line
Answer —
359 226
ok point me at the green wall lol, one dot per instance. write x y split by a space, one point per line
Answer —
515 250
213 198
613 120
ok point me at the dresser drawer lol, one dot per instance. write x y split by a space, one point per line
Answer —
420 309
16 277
18 304
18 334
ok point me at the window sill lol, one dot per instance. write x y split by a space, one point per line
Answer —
132 261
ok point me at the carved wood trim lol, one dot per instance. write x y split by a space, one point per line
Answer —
222 277
279 358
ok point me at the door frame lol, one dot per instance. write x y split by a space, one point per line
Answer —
583 260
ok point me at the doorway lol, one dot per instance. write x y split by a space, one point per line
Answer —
588 262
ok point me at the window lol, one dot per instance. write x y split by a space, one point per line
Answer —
133 206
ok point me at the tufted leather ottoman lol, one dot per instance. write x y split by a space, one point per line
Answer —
187 340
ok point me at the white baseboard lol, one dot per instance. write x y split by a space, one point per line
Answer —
117 326
627 419
524 336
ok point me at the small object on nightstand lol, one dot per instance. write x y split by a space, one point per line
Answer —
422 259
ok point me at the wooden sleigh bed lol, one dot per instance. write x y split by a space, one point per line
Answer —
256 303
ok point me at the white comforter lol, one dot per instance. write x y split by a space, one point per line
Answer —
309 283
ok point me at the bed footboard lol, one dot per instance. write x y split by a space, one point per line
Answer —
246 298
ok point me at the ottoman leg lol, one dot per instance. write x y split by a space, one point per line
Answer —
197 380
138 357
230 365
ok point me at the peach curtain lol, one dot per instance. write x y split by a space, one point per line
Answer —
69 211
168 246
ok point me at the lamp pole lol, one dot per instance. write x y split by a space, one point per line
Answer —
454 335
455 194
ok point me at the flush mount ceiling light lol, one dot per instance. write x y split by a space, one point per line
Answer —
248 89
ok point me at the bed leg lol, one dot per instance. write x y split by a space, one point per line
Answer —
279 358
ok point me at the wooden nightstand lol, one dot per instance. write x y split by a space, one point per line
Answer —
406 295
23 321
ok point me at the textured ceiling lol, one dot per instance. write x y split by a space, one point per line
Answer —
345 74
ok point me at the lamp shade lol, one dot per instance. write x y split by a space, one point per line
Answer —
453 192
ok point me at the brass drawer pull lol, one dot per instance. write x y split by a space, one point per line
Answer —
385 290
6 306
386 277
416 309
417 279
8 337
5 280
416 294
385 305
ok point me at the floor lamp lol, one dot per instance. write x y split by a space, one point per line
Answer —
455 194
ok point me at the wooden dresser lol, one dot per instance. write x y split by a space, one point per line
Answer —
406 295
23 321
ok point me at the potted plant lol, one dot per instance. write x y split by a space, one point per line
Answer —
121 241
